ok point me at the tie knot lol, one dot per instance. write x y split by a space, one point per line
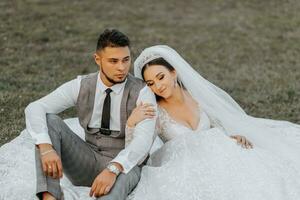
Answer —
108 91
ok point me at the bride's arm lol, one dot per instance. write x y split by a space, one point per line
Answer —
141 112
241 140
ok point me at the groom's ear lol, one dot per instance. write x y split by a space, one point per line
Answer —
97 58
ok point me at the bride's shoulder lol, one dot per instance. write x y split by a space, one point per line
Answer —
162 116
160 107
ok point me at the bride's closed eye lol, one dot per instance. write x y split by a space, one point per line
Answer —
160 77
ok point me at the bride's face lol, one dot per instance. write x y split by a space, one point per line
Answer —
161 80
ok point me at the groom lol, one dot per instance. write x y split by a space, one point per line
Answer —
104 100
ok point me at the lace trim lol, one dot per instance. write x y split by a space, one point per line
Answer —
173 121
129 134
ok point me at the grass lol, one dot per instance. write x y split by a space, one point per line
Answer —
250 48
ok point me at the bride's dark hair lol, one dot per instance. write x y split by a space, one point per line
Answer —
157 61
163 62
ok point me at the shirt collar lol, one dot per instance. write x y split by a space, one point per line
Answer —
116 88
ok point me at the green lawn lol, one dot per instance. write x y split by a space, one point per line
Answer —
250 48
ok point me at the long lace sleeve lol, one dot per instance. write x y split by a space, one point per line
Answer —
129 134
215 123
160 128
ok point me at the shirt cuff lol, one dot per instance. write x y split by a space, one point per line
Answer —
42 138
124 162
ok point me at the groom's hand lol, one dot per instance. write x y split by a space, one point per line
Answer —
51 162
103 183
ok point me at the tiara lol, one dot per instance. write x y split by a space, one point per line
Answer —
146 59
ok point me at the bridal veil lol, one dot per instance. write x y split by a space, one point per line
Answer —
279 137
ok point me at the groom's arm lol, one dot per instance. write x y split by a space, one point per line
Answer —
57 101
144 133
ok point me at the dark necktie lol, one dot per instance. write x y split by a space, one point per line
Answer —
106 113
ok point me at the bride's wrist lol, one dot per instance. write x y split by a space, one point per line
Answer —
129 125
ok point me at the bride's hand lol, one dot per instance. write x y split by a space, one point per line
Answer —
141 112
242 140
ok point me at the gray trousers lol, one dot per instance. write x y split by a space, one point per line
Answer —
81 164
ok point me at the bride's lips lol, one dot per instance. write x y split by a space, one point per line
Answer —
161 91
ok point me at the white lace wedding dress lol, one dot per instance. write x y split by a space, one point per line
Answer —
205 164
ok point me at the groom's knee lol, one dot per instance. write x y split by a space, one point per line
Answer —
124 184
52 119
54 125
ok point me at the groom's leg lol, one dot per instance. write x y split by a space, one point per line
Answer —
78 159
124 184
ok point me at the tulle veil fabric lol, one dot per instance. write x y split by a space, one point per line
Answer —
280 137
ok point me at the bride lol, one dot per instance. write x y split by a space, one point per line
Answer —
199 159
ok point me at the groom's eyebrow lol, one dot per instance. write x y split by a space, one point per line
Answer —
127 57
114 59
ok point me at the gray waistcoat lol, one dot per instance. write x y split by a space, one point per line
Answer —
108 145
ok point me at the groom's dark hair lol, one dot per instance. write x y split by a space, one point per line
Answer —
112 38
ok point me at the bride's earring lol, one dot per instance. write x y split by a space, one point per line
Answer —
175 82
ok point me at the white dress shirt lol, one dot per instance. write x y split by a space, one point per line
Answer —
66 96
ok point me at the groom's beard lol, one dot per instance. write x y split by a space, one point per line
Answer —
110 79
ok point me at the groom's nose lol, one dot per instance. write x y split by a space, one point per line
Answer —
121 66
